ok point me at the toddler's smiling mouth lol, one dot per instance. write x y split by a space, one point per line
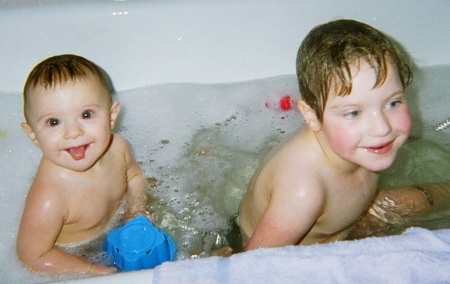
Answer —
78 152
382 149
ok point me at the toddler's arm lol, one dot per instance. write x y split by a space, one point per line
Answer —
287 219
395 206
405 202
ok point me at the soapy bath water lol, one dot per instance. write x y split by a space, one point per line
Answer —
198 168
198 145
200 190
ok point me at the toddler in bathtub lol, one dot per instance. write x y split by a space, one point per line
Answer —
86 176
315 186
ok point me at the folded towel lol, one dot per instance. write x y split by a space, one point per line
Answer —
418 255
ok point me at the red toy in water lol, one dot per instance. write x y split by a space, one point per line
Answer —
280 104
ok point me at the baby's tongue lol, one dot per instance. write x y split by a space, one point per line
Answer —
77 153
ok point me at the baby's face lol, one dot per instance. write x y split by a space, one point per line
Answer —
368 126
71 122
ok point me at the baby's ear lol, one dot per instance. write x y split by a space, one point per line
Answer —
309 115
30 133
114 114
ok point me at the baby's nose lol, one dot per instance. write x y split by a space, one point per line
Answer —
73 130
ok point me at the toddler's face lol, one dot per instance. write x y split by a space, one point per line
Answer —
72 122
368 126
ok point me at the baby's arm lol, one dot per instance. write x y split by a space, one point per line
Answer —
287 219
41 224
136 192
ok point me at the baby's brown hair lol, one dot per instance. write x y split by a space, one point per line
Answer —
327 53
57 70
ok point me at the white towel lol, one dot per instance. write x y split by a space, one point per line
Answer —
416 256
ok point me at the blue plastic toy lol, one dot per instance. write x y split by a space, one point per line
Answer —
139 245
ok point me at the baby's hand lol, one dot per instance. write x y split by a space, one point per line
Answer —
150 216
101 270
146 214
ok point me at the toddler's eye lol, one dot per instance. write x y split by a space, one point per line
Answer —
86 114
394 104
53 121
352 114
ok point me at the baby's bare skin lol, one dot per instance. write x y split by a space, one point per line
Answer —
83 218
86 173
67 216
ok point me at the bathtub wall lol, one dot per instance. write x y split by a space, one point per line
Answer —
140 43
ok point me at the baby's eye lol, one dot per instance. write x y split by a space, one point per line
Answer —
352 114
53 121
87 114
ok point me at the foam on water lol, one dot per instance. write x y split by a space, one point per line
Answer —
199 146
204 150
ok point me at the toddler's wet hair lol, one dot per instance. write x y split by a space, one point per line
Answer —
329 51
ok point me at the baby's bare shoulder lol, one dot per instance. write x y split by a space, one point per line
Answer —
119 141
119 149
46 195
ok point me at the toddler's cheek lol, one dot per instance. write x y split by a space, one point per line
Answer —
406 124
342 141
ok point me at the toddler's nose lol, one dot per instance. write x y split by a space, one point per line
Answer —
379 124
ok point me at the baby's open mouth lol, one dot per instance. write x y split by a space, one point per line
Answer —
78 153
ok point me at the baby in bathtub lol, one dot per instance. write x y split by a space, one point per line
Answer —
315 186
86 176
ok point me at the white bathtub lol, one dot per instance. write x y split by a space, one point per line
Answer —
146 42
141 43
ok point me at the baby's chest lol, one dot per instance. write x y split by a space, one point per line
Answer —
95 196
106 190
